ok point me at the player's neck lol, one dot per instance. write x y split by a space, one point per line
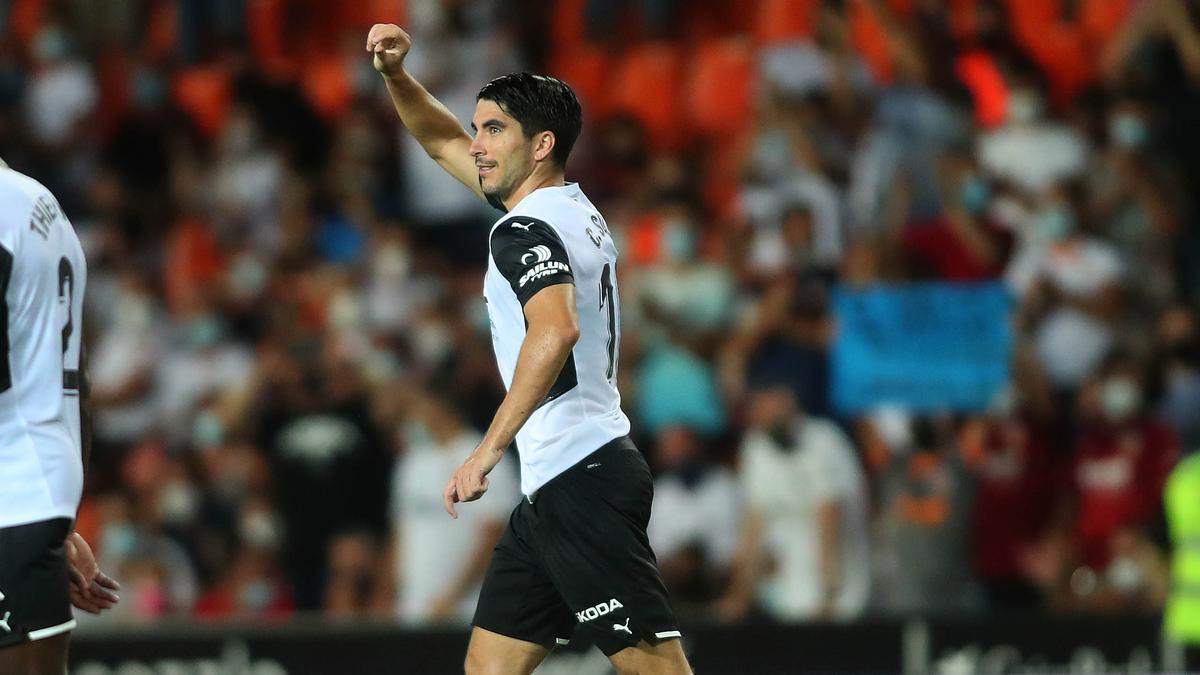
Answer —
535 181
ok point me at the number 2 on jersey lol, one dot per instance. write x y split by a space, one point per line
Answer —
606 298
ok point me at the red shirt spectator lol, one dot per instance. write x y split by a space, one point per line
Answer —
1015 489
1118 476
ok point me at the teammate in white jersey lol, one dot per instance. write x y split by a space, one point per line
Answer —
44 565
575 551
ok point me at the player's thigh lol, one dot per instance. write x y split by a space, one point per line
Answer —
47 656
494 654
663 658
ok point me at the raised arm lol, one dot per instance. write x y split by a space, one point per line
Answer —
431 123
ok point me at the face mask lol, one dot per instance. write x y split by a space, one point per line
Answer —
256 595
1120 399
1128 131
50 45
416 435
1024 107
392 262
208 430
258 529
179 503
678 241
202 332
119 539
1124 575
248 276
975 195
133 313
148 89
1055 224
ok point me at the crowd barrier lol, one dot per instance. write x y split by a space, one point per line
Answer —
983 645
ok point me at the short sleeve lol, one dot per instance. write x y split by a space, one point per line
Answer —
530 255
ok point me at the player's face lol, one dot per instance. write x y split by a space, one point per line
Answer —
503 155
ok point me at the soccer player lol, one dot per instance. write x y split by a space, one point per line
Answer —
45 566
575 550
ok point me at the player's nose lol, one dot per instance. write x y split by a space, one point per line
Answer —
476 149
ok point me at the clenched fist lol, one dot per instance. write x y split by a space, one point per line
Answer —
390 44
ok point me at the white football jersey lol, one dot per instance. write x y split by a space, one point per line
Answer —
555 236
42 276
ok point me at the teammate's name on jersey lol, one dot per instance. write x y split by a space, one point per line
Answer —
543 269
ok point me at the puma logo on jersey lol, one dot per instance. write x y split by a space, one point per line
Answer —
519 226
599 610
617 626
537 253
4 622
543 269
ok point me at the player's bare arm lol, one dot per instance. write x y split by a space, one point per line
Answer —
553 331
435 127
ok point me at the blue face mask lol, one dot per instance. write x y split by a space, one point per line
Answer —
1128 131
203 332
975 195
678 241
119 539
148 89
1055 224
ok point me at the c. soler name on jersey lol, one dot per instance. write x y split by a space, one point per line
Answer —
543 269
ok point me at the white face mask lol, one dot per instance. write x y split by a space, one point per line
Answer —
1120 398
1024 107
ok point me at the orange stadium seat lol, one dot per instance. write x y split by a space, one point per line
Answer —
784 20
567 25
586 68
719 91
326 82
646 86
204 93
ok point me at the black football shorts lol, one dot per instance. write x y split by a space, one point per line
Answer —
577 555
35 599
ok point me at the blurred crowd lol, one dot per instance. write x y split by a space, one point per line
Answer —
289 348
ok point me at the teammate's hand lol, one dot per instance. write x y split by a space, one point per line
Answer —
390 44
91 590
470 481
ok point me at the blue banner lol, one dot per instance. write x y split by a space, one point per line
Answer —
925 347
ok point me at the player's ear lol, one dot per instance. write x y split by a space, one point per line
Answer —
545 145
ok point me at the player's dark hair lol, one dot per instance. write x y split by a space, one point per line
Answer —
539 103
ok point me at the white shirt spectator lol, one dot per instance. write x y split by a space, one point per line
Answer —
787 488
1070 342
708 514
433 549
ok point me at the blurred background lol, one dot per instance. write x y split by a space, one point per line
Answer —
909 308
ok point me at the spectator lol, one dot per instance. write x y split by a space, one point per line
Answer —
925 498
804 552
1121 461
439 568
694 526
1071 282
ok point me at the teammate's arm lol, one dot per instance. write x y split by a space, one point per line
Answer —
553 331
434 126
